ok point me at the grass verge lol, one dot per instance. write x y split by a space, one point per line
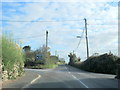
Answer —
43 66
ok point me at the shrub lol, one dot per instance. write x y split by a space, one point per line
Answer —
100 64
106 63
13 60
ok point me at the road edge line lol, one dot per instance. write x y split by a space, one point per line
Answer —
32 81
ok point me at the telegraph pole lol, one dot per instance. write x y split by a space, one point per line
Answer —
73 51
46 54
86 37
46 39
55 53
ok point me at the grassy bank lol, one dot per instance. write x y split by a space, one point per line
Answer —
12 58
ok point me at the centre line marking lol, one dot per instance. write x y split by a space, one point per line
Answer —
67 70
77 78
80 81
31 82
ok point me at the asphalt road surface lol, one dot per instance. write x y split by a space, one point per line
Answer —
66 76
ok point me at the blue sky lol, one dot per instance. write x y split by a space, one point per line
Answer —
102 18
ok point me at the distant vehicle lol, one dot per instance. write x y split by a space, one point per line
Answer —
39 57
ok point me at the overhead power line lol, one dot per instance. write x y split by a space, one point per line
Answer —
80 40
6 20
53 21
40 21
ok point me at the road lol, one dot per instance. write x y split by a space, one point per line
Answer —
66 76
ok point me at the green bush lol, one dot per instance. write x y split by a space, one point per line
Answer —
118 69
40 58
12 56
73 59
106 63
100 64
43 66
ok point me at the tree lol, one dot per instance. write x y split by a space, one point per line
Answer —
29 56
45 54
79 59
27 49
73 58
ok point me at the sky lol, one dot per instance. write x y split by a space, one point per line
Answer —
64 21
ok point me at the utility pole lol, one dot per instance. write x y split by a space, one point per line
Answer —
46 39
73 51
46 53
86 37
55 53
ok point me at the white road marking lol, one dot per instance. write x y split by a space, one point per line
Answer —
67 70
77 78
35 79
74 76
80 81
32 82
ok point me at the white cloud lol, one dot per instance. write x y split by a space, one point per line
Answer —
62 35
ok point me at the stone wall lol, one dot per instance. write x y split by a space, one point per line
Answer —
17 71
